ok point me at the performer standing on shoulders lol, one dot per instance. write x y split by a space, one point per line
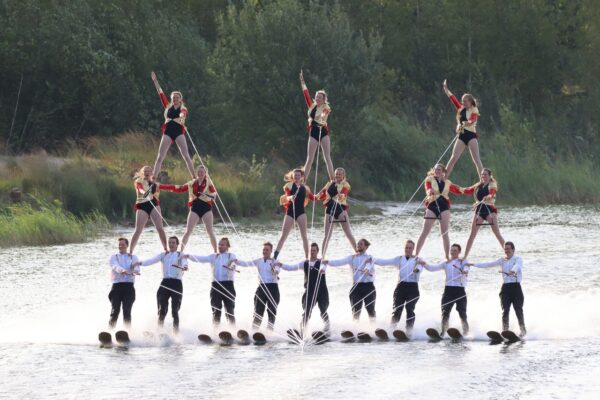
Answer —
201 193
511 292
457 271
296 198
318 111
222 291
335 197
171 287
122 292
267 294
363 276
173 128
406 293
466 129
437 205
484 192
315 287
147 206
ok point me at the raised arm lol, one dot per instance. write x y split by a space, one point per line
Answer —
305 92
452 97
161 94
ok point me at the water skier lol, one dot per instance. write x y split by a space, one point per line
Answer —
147 206
122 292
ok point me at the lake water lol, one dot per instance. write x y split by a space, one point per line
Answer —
54 303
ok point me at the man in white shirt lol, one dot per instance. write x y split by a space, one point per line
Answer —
267 294
171 287
406 293
122 292
363 276
222 291
511 292
315 287
457 271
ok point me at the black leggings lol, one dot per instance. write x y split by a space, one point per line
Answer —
121 294
266 297
454 295
406 295
511 293
309 300
222 294
363 293
162 298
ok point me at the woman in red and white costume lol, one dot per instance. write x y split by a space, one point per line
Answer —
201 193
173 129
466 129
318 130
147 206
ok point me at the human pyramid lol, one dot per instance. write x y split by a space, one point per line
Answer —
202 195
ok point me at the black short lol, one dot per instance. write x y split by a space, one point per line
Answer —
146 206
334 209
439 206
466 136
294 213
317 132
484 210
173 130
200 207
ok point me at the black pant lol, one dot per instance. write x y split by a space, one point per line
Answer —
511 293
316 294
121 294
363 292
405 295
222 294
266 296
454 295
162 298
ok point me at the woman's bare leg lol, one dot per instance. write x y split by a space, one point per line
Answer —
347 230
474 150
288 224
302 225
444 227
156 217
427 225
326 146
493 220
474 229
457 151
328 232
165 143
183 149
310 156
141 217
192 221
207 219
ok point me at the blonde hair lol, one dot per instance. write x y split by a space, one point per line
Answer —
289 177
226 240
140 173
324 93
471 98
432 170
340 169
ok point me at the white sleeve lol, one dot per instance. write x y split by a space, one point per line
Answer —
114 264
387 261
153 260
518 265
292 267
464 266
340 262
252 263
135 259
490 264
202 259
435 267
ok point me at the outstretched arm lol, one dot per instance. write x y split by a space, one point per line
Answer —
387 261
496 263
174 188
163 97
291 267
200 259
241 263
338 263
152 260
435 267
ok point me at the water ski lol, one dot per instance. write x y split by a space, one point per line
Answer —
319 337
454 333
226 338
122 337
204 339
434 335
400 336
495 337
381 334
363 337
348 337
105 339
510 336
294 336
243 337
259 339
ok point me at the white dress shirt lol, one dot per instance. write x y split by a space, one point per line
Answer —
267 272
406 267
120 263
456 271
172 264
513 264
362 270
220 265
